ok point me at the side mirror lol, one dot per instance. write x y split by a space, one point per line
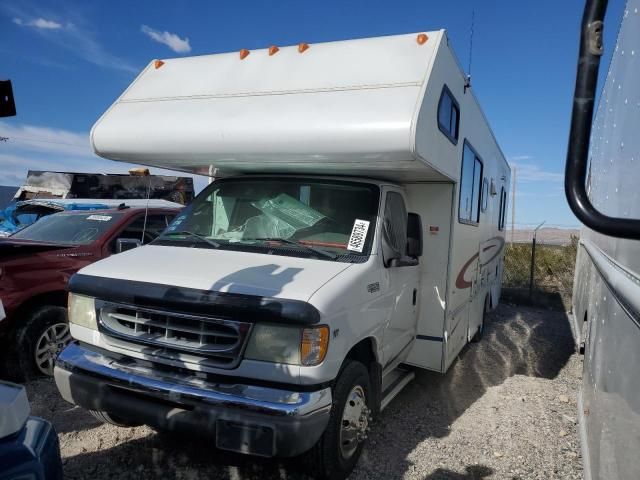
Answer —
124 244
414 235
7 103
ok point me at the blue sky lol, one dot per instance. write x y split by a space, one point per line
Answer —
69 60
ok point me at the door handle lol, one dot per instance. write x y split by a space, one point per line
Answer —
415 295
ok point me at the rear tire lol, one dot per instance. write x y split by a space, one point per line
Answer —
340 446
106 417
37 341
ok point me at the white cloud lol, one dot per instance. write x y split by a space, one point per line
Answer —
33 147
529 172
43 139
75 34
38 23
171 40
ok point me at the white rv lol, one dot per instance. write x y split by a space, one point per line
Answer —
354 231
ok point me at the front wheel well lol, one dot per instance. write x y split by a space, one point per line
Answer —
56 298
365 352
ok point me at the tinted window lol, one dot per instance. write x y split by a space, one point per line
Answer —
395 223
485 194
448 115
69 229
503 208
156 224
470 181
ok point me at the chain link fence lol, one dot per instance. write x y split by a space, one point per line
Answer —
540 272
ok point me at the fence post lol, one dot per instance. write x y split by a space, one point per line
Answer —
533 264
533 259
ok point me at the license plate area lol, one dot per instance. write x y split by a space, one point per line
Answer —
248 439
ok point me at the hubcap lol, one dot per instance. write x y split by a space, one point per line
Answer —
49 345
355 422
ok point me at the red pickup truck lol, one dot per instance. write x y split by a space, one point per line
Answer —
36 264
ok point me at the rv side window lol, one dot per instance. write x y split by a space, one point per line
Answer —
485 194
448 115
503 208
395 223
470 183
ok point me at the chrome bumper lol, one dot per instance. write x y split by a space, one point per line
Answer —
243 418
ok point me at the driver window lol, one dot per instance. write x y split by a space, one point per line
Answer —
395 223
155 226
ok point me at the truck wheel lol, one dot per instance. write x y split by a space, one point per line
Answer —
106 417
340 446
480 332
43 334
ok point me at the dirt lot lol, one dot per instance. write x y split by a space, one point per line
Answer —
506 409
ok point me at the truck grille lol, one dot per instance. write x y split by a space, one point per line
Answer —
218 341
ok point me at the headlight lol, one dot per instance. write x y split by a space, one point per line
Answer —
291 345
82 311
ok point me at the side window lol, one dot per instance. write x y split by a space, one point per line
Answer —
503 208
448 115
155 226
470 183
485 194
395 223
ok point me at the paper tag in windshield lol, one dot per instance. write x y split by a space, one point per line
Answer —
358 235
100 218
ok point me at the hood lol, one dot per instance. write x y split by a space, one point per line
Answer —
220 271
14 247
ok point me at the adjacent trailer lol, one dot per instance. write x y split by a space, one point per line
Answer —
354 232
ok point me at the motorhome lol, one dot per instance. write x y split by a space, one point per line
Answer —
354 232
602 188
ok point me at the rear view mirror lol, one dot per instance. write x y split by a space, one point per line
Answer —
7 103
414 235
124 244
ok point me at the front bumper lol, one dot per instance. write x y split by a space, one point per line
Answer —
242 418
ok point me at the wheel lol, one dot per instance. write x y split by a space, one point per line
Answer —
340 446
480 332
39 339
107 417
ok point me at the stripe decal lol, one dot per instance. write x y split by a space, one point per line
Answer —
428 337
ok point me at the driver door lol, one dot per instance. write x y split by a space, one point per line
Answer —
399 283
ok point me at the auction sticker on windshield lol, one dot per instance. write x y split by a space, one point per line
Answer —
100 218
358 235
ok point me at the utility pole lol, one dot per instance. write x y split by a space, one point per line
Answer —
513 204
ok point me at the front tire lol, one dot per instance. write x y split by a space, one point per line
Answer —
106 417
337 452
42 335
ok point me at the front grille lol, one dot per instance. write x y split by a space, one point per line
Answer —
220 342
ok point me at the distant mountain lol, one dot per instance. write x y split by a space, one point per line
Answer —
6 194
549 236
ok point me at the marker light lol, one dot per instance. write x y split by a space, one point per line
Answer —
303 47
158 64
273 50
422 38
244 53
314 345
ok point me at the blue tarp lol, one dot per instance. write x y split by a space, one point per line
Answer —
12 219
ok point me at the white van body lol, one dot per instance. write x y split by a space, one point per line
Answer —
390 114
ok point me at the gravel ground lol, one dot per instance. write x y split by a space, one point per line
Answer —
505 409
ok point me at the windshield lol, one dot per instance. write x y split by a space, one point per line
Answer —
312 217
70 229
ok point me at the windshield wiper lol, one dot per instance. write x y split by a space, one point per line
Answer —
324 253
199 236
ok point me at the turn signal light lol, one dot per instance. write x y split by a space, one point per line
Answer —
244 53
314 345
158 64
422 38
303 47
273 50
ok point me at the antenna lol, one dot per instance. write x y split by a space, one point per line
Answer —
467 83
